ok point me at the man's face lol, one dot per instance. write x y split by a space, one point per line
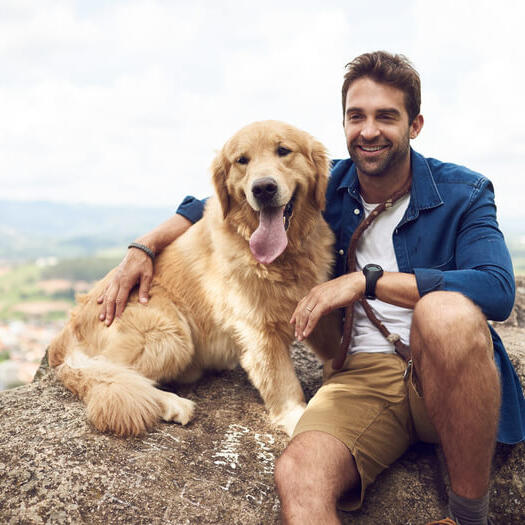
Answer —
376 127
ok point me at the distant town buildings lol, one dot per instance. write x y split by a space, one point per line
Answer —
22 347
33 312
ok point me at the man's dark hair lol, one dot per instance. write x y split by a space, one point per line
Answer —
385 68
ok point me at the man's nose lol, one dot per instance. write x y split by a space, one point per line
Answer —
370 130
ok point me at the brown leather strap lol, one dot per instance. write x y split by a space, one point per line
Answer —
402 349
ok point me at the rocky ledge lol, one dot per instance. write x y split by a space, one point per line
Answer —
56 469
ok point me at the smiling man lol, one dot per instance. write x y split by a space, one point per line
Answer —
434 267
437 266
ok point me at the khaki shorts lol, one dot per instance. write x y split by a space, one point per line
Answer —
370 408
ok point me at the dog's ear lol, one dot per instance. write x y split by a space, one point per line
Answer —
322 165
219 170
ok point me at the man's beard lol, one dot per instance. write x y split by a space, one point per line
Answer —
390 158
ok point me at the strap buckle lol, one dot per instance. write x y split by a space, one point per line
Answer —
408 369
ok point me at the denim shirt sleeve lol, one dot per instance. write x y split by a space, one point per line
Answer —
191 208
483 265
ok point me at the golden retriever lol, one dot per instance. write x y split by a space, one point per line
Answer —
223 293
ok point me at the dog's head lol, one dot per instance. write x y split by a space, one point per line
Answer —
270 176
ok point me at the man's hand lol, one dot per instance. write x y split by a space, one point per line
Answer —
323 299
135 267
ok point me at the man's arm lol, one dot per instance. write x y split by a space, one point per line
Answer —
137 266
484 274
484 270
393 287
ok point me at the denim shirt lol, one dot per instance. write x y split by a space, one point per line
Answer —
449 239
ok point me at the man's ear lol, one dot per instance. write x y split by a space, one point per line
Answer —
219 169
322 166
416 126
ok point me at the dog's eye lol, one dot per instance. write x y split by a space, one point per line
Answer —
242 160
282 151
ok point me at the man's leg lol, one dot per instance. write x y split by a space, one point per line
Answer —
312 473
453 356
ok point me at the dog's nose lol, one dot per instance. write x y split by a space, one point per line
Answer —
264 189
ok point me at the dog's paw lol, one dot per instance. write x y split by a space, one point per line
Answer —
177 409
289 419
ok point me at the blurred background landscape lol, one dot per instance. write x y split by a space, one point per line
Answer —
49 252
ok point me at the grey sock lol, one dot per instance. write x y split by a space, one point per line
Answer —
469 511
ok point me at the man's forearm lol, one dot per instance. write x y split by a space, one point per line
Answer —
164 234
398 288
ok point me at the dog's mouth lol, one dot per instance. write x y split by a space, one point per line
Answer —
269 240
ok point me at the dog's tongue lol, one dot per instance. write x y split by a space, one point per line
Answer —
269 240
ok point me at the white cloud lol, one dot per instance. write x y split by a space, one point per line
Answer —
471 58
127 101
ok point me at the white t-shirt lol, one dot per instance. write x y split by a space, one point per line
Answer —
376 246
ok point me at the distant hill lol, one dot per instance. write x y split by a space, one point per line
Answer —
29 230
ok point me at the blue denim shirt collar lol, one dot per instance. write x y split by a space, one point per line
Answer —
424 193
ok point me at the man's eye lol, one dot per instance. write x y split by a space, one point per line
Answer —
242 160
282 151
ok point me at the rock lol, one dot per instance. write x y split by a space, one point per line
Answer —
56 469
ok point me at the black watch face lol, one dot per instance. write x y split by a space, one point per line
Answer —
372 273
373 268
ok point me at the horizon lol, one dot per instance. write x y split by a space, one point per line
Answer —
511 225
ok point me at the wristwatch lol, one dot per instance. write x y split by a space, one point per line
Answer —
372 273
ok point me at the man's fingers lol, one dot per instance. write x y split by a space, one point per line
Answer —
310 325
310 320
145 285
111 295
110 312
301 316
297 318
122 299
100 300
305 314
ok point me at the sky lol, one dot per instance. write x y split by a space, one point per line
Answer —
127 102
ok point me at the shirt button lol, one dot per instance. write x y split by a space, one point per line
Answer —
341 252
357 211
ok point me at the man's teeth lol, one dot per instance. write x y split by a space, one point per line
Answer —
372 148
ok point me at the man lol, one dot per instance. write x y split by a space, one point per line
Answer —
441 269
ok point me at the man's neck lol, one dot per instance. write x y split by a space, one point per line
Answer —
378 188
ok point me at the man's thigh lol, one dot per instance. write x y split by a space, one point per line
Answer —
365 406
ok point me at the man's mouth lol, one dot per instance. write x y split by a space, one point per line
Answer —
372 149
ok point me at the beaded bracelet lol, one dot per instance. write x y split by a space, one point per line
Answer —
144 248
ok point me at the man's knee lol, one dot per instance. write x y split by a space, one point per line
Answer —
448 326
290 467
315 463
284 470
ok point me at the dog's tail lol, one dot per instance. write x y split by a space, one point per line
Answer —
117 398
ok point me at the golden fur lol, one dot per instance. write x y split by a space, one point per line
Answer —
212 304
